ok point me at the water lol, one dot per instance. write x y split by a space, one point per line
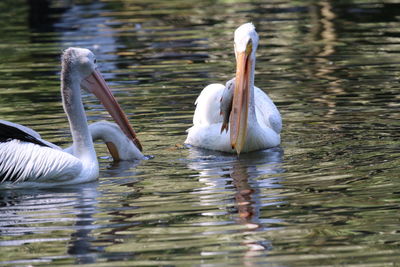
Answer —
329 195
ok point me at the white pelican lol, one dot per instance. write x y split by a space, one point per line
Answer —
250 119
26 160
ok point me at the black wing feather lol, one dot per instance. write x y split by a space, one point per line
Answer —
8 132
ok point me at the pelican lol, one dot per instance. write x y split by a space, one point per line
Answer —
237 117
26 160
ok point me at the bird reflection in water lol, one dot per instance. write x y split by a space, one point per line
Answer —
248 201
243 196
81 244
27 213
253 179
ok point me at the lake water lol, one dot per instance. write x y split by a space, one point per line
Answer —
328 196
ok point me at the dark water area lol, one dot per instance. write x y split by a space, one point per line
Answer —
328 196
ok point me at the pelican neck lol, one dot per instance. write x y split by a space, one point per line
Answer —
72 102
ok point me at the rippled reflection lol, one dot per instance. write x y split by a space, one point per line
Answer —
242 187
62 216
45 217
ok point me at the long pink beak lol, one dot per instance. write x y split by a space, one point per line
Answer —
241 98
96 84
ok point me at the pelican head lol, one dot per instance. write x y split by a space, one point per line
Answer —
246 35
79 65
246 42
80 62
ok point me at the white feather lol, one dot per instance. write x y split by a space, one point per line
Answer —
263 120
243 34
207 122
26 164
23 161
267 113
208 105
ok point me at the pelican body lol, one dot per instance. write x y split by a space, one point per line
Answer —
237 117
26 160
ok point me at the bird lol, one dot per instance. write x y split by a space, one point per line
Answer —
26 160
237 117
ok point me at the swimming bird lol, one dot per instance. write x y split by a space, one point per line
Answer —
26 160
253 123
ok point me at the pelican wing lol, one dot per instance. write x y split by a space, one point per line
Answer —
208 105
267 113
207 121
13 131
24 161
9 128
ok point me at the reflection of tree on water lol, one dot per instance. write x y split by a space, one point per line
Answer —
253 178
81 26
323 40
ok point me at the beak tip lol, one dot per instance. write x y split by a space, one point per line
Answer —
238 152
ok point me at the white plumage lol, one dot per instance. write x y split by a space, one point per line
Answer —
207 123
26 160
22 161
254 117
